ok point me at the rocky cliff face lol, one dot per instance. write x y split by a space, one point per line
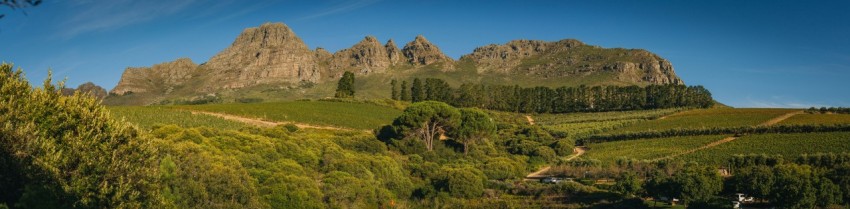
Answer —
421 52
160 78
88 88
366 57
571 57
271 53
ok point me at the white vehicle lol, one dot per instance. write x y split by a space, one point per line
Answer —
740 197
736 204
551 180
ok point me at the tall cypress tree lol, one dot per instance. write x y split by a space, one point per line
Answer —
405 92
417 94
345 86
394 89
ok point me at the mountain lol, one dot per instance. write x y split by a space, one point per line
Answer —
272 62
89 88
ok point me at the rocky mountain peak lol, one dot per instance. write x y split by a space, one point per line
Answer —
268 34
393 52
421 52
271 53
365 57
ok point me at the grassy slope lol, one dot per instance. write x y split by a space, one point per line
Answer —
826 119
339 114
148 117
789 145
709 118
646 149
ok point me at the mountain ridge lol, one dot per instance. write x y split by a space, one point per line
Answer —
273 57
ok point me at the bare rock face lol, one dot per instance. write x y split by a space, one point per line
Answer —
323 55
420 52
159 78
367 56
393 52
271 53
569 58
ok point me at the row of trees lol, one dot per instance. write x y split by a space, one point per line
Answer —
547 100
824 110
795 186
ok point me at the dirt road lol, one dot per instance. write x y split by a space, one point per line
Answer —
263 123
541 173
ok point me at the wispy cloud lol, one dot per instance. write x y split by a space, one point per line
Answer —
91 16
340 8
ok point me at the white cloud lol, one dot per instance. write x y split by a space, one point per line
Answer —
345 7
90 16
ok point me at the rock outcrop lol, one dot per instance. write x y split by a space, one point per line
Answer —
421 52
393 52
268 54
367 56
571 57
160 78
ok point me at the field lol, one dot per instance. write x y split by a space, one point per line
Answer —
788 145
646 149
147 117
826 119
578 125
337 114
708 118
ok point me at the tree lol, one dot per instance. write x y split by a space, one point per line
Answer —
697 183
394 85
345 86
475 125
405 92
18 4
628 184
463 182
756 181
417 93
427 121
793 187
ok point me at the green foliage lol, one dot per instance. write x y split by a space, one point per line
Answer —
475 125
345 86
542 99
501 168
427 121
824 119
394 95
647 149
628 184
709 118
773 144
404 95
460 182
150 117
697 183
341 114
69 148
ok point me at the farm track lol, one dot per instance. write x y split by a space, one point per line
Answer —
541 173
268 124
530 120
732 138
781 118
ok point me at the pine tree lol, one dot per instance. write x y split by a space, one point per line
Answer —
405 92
345 86
394 89
417 94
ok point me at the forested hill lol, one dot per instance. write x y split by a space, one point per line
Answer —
270 62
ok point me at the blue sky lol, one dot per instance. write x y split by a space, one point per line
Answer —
748 53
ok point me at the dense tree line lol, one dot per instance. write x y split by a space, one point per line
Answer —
791 185
824 110
806 128
559 100
822 160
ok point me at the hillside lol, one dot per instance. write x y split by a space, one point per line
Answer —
271 62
